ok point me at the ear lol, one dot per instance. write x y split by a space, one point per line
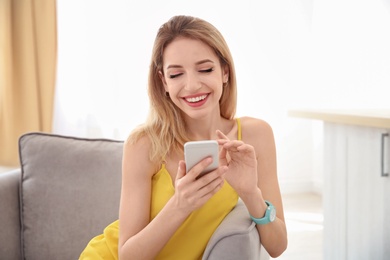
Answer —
161 75
225 74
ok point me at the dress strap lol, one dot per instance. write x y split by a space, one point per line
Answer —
238 128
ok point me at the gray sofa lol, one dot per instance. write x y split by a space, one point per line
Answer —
67 191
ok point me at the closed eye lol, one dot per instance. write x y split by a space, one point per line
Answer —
175 75
207 71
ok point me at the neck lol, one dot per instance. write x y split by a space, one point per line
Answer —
205 128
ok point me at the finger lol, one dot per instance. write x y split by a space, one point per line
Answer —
245 148
205 179
199 167
222 141
181 171
212 187
233 145
222 156
221 135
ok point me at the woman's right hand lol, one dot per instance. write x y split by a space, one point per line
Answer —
192 192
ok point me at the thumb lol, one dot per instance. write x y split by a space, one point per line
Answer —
181 171
222 156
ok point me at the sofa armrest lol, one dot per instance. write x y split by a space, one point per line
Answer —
236 238
10 215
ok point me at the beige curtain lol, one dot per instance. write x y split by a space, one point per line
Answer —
28 53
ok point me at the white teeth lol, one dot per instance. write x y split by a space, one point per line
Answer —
196 99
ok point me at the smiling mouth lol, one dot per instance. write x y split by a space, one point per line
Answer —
195 99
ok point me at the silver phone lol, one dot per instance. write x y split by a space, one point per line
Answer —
196 151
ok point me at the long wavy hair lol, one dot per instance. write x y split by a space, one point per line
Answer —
165 124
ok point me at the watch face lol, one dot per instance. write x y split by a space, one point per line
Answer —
272 216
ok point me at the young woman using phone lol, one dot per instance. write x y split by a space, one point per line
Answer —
166 213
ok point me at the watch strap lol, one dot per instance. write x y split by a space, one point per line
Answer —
267 216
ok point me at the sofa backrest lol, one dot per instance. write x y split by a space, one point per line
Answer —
10 215
70 191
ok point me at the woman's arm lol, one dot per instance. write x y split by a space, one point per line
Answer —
139 239
252 172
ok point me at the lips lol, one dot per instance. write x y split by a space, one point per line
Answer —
196 101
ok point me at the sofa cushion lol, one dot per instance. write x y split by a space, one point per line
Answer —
70 192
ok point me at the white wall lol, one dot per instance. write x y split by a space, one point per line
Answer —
288 54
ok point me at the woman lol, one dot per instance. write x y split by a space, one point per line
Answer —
166 213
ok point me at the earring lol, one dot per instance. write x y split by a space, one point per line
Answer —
167 94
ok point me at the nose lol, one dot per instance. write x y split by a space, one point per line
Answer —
193 82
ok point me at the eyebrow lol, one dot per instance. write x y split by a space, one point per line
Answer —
197 63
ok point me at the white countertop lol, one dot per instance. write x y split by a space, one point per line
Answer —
379 118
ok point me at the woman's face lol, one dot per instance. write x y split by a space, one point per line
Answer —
193 76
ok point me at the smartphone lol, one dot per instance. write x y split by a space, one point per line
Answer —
196 151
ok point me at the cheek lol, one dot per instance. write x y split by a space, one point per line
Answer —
174 91
220 92
172 88
217 85
219 89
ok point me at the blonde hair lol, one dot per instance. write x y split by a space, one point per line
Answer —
165 125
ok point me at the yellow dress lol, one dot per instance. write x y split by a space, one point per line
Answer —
190 240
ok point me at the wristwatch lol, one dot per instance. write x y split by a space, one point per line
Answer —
270 215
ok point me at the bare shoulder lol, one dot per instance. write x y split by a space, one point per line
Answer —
259 134
255 129
136 156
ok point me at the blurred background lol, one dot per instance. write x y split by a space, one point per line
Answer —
288 55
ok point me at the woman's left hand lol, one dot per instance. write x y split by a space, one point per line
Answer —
240 158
